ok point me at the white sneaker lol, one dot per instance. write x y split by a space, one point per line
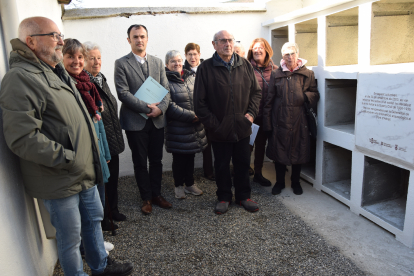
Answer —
179 192
108 246
193 189
107 252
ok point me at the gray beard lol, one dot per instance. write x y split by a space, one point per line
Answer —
49 55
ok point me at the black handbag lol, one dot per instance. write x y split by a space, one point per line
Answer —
311 117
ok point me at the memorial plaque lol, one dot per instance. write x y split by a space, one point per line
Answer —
384 115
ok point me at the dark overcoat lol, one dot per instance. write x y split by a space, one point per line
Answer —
284 115
182 135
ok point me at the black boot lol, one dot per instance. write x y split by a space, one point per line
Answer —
277 189
297 189
258 178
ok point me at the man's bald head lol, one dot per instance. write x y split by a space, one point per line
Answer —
220 33
32 25
46 45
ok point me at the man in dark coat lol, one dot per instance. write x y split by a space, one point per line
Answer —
226 99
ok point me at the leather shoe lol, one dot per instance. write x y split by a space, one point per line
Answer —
160 201
146 207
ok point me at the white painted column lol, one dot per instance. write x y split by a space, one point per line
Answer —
291 32
364 34
320 76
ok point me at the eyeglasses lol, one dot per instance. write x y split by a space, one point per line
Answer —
55 35
193 55
289 54
223 41
258 49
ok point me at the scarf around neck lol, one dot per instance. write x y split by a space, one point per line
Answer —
88 91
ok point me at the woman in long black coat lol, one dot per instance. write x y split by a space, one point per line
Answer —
113 132
184 134
284 115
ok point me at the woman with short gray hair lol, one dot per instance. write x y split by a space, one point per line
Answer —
284 115
113 132
184 134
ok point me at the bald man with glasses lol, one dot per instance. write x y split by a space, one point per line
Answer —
226 99
47 125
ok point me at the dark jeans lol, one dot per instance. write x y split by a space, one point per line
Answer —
208 158
112 187
239 153
147 144
260 144
281 170
183 169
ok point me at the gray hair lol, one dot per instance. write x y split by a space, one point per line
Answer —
239 45
27 27
171 54
288 45
90 46
217 34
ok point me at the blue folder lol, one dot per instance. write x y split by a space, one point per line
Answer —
150 92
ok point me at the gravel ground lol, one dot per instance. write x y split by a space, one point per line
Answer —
190 239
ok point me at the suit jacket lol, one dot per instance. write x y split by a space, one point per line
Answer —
128 79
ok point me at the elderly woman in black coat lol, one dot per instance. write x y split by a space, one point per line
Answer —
284 115
113 131
184 134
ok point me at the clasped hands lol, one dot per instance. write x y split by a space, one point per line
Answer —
155 111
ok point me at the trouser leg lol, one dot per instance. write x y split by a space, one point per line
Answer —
189 169
155 151
91 212
241 165
138 143
208 158
178 169
222 157
295 177
65 217
112 186
280 173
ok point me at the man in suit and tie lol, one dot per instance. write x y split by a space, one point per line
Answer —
145 136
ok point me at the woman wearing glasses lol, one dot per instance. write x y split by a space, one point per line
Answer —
260 56
184 134
284 115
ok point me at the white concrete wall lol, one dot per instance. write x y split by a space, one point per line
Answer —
24 247
165 32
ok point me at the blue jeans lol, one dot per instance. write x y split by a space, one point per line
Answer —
70 216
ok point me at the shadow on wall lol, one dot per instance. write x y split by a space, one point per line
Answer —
22 235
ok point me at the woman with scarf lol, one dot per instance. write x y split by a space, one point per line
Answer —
184 134
74 54
260 56
284 115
